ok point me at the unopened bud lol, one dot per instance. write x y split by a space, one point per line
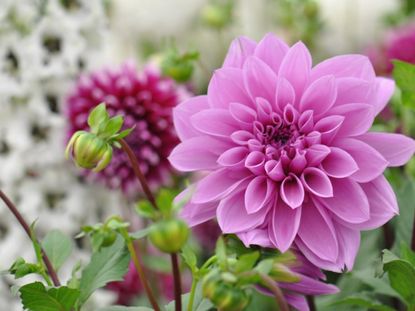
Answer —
169 236
217 15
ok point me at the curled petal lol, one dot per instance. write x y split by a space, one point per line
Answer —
216 122
298 163
320 95
242 137
274 170
242 113
255 162
292 191
233 157
259 192
239 50
328 127
315 154
305 122
317 182
285 94
339 164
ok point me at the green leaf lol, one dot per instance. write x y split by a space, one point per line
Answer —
35 297
189 257
124 308
404 222
123 134
362 301
21 268
164 201
402 279
112 126
58 247
221 252
199 303
97 116
246 262
408 254
265 266
140 233
404 75
107 265
145 209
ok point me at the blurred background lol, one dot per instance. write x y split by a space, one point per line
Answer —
48 48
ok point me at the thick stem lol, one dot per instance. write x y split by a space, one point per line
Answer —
144 184
26 228
279 297
311 303
142 275
177 282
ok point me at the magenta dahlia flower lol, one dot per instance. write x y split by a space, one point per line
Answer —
399 44
145 100
288 152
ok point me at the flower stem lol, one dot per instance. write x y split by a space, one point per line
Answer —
144 184
141 273
192 294
413 236
311 303
279 297
25 226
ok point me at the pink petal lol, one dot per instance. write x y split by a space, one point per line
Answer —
370 162
284 94
195 214
356 66
242 137
197 153
298 163
216 122
358 118
296 67
233 157
243 114
306 121
285 222
397 149
317 182
271 50
218 184
349 242
352 90
382 201
182 114
292 191
320 95
232 215
225 87
274 170
383 93
318 233
328 127
339 164
255 237
299 302
259 79
259 192
255 162
317 153
349 201
239 50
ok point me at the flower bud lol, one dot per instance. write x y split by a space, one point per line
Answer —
169 236
89 151
217 16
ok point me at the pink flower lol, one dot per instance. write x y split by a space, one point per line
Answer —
286 146
145 100
399 44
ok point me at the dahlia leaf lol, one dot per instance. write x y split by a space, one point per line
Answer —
98 115
408 254
189 257
112 126
109 264
146 210
21 268
58 247
124 133
404 222
140 233
35 297
404 74
363 301
246 262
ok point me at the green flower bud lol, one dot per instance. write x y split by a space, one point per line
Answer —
179 66
89 151
109 237
169 236
217 15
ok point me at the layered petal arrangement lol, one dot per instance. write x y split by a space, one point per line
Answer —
286 146
145 99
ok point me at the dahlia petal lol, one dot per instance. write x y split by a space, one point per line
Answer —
274 170
299 302
317 182
349 202
397 149
242 137
233 157
339 164
255 237
310 286
243 114
328 127
232 215
318 233
290 114
370 162
225 87
195 214
296 67
383 93
255 162
259 79
218 184
182 114
259 192
358 118
197 153
216 122
271 50
315 154
284 94
306 121
285 222
320 95
264 110
352 90
356 66
298 163
239 50
349 241
292 191
382 201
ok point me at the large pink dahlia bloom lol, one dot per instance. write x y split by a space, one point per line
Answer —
287 150
145 99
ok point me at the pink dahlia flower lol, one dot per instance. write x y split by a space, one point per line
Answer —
288 152
399 44
145 100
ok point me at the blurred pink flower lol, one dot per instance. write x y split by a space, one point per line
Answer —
398 44
287 150
145 100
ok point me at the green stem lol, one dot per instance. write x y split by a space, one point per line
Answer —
209 262
192 294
